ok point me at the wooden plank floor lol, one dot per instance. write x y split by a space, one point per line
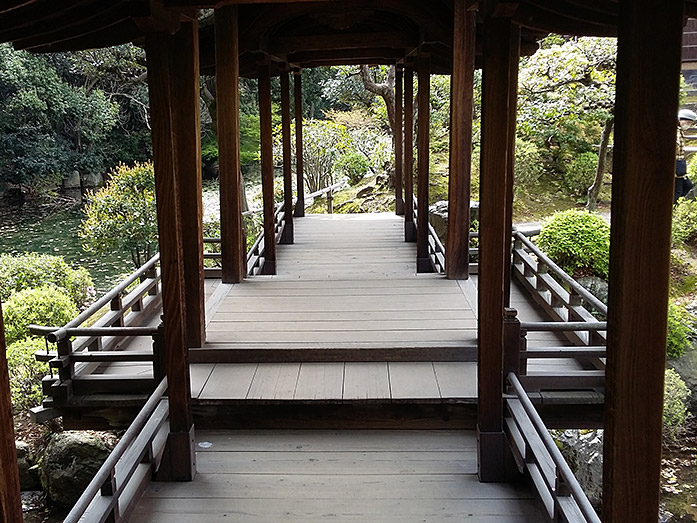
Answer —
347 476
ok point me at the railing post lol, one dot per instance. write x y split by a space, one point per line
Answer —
151 274
62 390
159 363
330 202
116 306
511 342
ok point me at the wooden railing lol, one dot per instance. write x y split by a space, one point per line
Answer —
80 349
115 489
536 452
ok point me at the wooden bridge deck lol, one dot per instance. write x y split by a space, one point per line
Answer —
348 476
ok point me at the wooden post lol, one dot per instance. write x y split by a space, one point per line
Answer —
287 236
267 188
423 69
648 69
510 166
461 105
408 147
234 266
10 498
187 136
493 247
300 183
398 141
178 461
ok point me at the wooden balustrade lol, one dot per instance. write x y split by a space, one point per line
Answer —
115 489
535 451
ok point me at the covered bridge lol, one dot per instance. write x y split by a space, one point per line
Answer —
265 39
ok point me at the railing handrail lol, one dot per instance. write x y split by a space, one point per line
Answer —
113 293
562 466
558 271
104 473
55 334
549 326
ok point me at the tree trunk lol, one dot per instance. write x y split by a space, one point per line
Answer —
385 90
594 189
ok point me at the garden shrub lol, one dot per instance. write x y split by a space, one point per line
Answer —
578 241
31 270
353 165
528 166
684 230
680 328
46 305
675 398
580 173
26 372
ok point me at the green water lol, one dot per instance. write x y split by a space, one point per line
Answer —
51 230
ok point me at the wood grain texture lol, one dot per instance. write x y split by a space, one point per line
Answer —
287 169
642 193
234 263
267 180
299 180
10 499
461 106
423 264
409 235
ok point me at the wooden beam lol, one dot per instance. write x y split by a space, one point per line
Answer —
409 229
461 107
291 44
399 141
537 18
423 70
493 246
10 498
187 133
648 70
266 132
37 15
510 143
179 462
287 236
300 183
119 32
370 55
233 242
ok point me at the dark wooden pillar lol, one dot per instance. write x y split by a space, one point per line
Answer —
187 133
648 68
287 236
510 166
494 245
461 105
300 182
408 147
398 141
267 188
233 248
178 461
10 498
423 69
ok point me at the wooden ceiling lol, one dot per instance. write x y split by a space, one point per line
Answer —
297 33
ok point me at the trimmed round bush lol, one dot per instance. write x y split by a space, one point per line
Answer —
46 305
675 398
352 165
31 270
680 324
26 372
578 241
684 230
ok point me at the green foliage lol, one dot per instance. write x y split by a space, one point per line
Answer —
680 328
353 165
31 270
122 214
578 241
46 305
26 373
528 166
684 229
675 398
580 173
48 127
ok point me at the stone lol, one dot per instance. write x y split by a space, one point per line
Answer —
438 217
28 471
597 286
686 367
72 181
583 451
69 463
90 180
365 191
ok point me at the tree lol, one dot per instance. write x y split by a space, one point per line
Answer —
122 214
